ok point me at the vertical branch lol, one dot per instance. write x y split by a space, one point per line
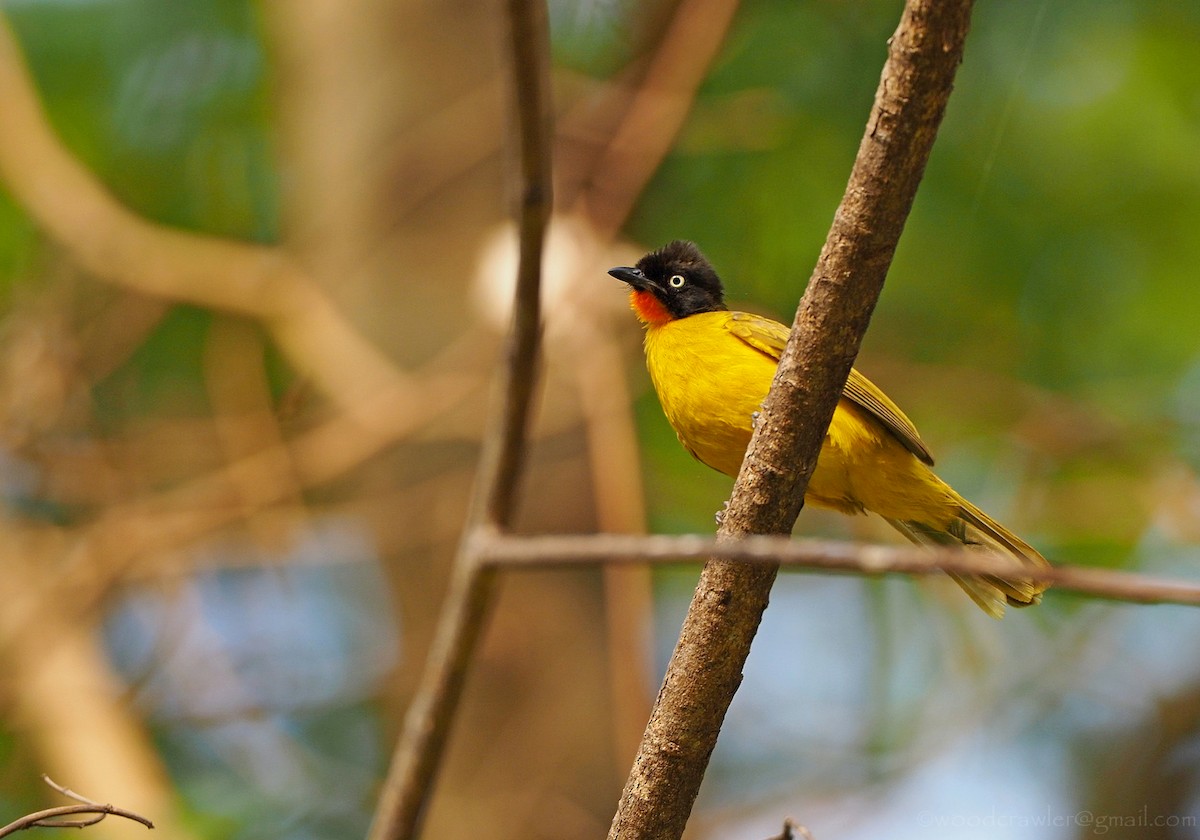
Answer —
503 453
706 667
427 723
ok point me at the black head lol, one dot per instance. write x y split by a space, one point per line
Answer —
679 276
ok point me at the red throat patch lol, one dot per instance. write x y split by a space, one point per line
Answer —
648 308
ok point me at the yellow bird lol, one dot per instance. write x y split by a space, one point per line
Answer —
712 369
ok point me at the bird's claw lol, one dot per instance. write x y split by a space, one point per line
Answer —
720 515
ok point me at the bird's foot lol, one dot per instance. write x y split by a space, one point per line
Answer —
720 515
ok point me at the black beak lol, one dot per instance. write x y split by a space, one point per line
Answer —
632 276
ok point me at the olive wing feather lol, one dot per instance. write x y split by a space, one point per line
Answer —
769 337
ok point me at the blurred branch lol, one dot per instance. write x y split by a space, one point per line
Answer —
620 504
517 552
791 831
656 114
706 667
168 519
652 120
118 246
245 420
427 724
55 817
378 403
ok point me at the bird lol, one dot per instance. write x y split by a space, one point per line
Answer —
712 368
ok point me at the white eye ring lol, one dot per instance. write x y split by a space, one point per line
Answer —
676 281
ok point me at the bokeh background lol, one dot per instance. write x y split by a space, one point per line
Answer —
254 280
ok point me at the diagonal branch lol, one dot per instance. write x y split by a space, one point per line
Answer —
427 723
706 667
656 113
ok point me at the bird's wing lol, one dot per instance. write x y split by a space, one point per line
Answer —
763 334
769 337
864 393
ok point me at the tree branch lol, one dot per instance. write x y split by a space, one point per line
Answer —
705 669
92 812
567 551
427 723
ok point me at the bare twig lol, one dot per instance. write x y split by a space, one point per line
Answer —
517 552
57 817
706 667
427 724
792 830
66 791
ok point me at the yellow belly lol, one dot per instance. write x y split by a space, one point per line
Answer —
710 383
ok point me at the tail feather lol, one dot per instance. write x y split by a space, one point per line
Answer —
973 527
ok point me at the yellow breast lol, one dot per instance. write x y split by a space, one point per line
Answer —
709 384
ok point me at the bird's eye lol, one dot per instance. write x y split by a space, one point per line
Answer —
676 281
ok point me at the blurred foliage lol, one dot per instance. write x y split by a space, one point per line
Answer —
172 110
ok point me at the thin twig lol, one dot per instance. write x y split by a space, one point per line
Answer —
67 792
565 551
706 667
427 724
792 830
55 817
